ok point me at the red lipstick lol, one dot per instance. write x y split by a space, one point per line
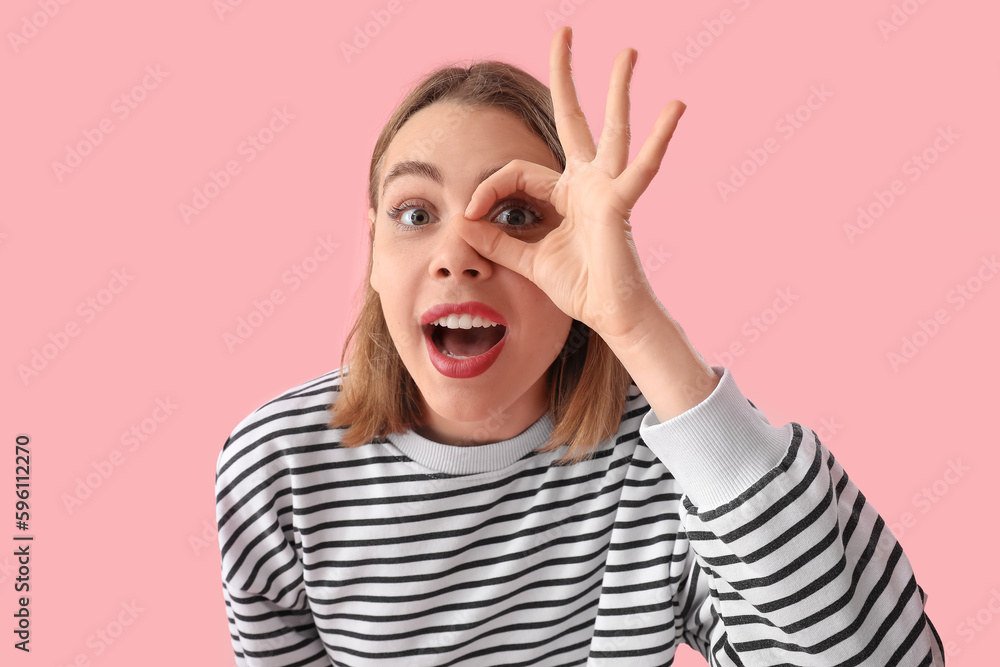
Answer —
461 368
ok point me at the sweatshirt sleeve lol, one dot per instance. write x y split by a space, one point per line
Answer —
270 621
791 564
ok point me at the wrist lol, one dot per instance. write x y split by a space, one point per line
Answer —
671 374
625 320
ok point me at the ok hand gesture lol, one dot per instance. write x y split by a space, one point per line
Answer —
588 265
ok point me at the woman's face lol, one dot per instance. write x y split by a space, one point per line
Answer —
478 383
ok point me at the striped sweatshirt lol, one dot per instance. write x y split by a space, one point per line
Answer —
746 541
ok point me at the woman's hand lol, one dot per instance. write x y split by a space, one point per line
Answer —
588 265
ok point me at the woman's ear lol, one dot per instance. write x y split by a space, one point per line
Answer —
373 280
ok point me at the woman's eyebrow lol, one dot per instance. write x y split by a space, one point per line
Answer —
429 171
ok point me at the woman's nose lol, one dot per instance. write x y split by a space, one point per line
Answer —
453 256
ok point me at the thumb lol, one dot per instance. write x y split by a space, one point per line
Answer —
497 246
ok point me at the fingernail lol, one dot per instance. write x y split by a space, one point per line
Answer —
569 42
635 57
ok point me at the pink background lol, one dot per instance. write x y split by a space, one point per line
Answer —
145 535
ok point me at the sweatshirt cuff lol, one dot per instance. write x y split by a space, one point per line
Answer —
719 448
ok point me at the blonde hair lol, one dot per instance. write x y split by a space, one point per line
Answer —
587 383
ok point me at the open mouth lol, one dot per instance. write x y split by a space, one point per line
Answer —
464 336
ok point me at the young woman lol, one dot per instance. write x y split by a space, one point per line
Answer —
525 462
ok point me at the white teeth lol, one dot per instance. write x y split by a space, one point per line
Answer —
463 321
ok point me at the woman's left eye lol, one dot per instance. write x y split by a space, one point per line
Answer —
518 215
416 217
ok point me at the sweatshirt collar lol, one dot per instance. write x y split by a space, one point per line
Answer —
456 460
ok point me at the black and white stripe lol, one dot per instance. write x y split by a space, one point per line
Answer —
354 557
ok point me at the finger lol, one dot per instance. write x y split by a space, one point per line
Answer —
571 124
497 246
638 175
515 176
612 149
